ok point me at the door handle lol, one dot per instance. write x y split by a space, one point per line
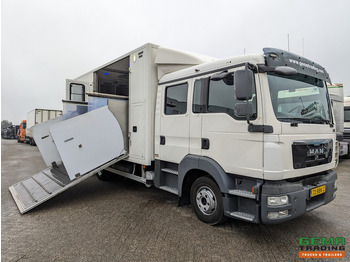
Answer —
162 140
205 143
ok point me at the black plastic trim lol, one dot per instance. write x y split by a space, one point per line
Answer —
202 74
260 128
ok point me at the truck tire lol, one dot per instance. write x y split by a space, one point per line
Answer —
206 201
348 155
104 175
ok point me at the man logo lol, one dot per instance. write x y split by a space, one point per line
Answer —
316 151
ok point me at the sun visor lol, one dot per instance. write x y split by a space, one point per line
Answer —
277 57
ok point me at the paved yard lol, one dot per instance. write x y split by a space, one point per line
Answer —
123 220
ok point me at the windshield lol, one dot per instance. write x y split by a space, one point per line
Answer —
347 114
299 98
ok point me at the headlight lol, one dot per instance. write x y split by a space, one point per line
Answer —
276 215
277 201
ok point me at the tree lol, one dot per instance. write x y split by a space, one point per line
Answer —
5 123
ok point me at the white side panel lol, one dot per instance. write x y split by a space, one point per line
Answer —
38 117
31 118
137 132
85 143
45 116
43 140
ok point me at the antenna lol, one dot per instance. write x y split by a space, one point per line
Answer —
288 41
303 46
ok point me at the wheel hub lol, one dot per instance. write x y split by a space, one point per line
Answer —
206 200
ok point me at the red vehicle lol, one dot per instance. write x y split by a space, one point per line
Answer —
21 135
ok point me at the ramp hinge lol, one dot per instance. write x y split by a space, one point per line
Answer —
54 164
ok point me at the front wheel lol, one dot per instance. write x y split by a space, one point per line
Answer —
206 201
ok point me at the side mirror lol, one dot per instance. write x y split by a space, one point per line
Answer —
244 109
244 82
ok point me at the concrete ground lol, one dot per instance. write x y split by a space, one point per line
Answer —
123 220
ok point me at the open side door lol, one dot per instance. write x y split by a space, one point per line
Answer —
78 147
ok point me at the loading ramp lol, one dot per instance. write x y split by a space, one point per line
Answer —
81 148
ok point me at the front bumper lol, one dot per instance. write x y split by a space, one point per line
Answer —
298 193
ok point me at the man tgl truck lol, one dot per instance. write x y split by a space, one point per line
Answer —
250 137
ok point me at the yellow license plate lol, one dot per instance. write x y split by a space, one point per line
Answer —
317 191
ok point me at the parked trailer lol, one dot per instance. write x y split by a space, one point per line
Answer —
336 94
248 137
36 117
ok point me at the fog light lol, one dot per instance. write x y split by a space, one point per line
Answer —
277 201
276 215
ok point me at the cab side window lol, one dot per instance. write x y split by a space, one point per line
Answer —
176 99
218 96
221 97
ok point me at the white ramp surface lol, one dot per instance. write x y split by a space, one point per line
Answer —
88 141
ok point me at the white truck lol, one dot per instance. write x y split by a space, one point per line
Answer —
250 137
38 116
347 119
336 94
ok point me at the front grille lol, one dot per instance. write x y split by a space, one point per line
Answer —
346 135
312 153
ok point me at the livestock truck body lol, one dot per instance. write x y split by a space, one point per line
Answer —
250 137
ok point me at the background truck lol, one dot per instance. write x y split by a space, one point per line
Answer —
10 132
337 97
36 117
347 119
248 137
21 133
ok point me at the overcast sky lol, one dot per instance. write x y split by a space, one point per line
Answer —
46 41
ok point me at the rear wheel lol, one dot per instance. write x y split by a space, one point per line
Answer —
206 201
104 175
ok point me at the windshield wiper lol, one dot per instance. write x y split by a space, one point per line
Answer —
294 119
319 120
314 120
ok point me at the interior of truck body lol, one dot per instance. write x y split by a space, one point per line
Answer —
114 78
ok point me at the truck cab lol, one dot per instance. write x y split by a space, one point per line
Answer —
270 153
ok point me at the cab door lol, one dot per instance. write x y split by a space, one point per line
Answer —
225 137
174 122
